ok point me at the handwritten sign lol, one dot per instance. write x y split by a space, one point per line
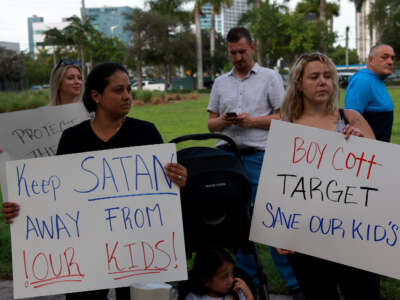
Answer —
331 198
95 220
35 132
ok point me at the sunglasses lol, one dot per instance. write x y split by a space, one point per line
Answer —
68 62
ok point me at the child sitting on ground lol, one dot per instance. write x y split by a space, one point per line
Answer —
212 278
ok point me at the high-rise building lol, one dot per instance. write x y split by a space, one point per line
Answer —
39 29
228 18
205 19
111 21
31 21
366 37
231 16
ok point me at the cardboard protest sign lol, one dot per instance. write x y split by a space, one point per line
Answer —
35 132
95 220
336 199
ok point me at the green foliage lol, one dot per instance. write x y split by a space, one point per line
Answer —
10 101
338 55
12 69
385 15
285 34
145 95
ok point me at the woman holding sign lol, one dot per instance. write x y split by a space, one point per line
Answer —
107 93
311 100
65 88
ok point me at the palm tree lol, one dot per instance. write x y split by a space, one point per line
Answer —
216 6
56 38
316 7
199 51
79 33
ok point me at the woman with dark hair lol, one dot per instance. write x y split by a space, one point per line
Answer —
107 93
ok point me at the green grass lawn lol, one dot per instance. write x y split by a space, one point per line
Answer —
188 117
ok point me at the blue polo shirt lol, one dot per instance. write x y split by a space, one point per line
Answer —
367 92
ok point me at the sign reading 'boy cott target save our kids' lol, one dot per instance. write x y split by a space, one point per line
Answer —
335 199
95 220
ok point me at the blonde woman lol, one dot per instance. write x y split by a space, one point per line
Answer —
65 88
66 82
311 99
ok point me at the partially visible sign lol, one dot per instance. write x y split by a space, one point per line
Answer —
35 132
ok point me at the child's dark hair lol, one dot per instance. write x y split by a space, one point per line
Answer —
98 80
205 265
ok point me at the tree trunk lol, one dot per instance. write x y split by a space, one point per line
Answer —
322 17
258 42
212 41
322 10
199 54
82 63
167 77
138 51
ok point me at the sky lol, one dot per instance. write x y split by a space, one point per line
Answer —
14 16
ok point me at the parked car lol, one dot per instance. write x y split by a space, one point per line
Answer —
150 85
36 88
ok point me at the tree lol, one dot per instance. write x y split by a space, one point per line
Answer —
79 32
38 69
216 6
168 22
338 55
138 25
12 69
313 7
199 50
385 16
286 34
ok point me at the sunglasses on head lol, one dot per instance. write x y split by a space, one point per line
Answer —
68 62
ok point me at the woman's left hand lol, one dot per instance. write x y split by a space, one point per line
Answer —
350 130
177 173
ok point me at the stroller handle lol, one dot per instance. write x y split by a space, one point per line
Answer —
207 136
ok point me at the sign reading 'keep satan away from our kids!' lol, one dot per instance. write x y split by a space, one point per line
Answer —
95 220
335 199
35 133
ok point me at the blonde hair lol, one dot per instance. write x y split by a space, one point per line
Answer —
56 78
293 102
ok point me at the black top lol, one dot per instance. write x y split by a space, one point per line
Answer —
133 132
381 123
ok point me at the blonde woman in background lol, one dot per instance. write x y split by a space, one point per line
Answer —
66 82
311 100
65 88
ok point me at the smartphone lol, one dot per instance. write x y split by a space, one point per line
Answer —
231 114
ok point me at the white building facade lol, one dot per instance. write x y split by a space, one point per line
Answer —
366 37
228 18
39 29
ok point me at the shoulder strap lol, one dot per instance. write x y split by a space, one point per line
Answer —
341 112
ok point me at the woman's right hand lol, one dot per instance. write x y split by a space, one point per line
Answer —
284 251
10 211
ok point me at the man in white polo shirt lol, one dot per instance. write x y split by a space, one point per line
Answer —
242 104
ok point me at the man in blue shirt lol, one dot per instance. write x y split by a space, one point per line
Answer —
368 95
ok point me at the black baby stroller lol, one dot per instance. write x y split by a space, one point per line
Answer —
215 200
